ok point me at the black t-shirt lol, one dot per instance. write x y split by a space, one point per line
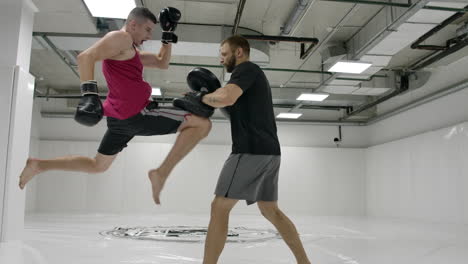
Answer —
253 125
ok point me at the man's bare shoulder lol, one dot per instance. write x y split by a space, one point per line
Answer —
119 35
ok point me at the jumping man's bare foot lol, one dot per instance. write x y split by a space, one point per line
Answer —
157 183
30 170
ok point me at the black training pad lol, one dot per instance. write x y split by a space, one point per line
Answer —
193 105
199 78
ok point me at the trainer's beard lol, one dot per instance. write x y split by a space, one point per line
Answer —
231 64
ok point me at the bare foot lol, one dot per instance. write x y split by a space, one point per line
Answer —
157 183
30 170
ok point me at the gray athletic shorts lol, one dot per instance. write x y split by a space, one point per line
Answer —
249 177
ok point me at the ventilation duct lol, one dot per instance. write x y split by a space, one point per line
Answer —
386 34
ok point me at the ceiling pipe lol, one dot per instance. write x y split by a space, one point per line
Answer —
424 100
297 13
445 23
260 36
224 120
371 2
219 25
441 55
281 70
299 10
55 50
404 86
282 38
409 4
357 51
240 9
101 34
167 100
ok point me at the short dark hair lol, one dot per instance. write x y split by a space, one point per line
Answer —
237 41
141 13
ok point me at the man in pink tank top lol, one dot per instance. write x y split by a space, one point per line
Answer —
127 107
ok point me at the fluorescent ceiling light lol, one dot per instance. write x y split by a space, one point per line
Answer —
312 97
110 8
156 91
289 115
350 67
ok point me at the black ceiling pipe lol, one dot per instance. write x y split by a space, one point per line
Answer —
318 107
448 21
281 38
408 5
240 9
441 55
367 2
169 100
101 96
404 86
448 44
430 47
217 25
304 52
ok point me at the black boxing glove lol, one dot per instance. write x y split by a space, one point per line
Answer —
89 110
168 18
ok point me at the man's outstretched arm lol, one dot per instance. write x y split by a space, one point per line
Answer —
224 96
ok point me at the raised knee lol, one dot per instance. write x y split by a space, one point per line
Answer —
204 127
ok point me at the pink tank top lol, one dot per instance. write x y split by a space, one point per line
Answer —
128 92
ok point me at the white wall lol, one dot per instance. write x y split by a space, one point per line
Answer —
424 177
443 112
417 165
414 168
312 181
33 152
446 111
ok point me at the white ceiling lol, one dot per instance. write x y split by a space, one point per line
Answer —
263 16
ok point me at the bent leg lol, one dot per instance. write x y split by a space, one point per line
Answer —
98 164
217 229
286 229
192 131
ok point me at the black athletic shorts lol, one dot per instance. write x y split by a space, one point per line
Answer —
152 120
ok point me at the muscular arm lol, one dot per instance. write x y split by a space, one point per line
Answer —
160 60
109 46
224 96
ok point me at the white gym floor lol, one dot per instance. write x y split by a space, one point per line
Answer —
76 239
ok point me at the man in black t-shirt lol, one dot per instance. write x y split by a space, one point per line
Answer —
251 171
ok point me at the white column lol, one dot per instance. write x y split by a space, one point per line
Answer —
16 94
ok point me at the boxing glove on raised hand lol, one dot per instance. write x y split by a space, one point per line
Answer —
89 110
168 18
